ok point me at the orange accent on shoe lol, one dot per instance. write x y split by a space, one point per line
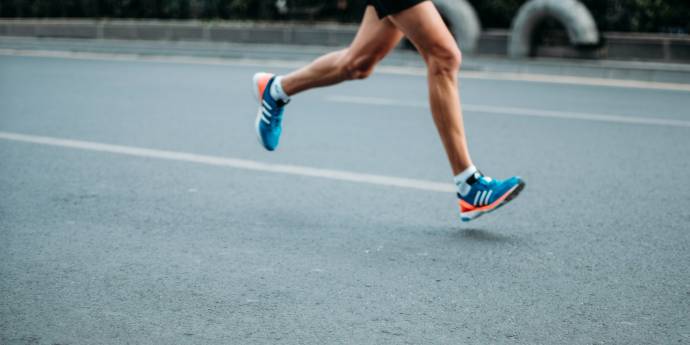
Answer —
465 206
262 82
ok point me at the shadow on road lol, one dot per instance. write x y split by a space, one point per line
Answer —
483 236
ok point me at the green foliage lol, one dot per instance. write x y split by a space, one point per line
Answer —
610 15
496 13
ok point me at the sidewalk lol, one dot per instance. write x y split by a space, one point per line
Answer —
606 69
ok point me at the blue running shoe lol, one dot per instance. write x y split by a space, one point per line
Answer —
270 115
483 194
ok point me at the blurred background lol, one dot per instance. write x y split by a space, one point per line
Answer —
666 16
647 30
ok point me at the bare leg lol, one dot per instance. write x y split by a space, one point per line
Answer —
375 38
423 25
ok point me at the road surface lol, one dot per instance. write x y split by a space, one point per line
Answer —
138 208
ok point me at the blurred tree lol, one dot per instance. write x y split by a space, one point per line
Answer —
496 13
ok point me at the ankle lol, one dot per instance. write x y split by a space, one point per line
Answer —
277 91
461 179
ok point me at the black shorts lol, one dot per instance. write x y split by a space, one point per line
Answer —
385 8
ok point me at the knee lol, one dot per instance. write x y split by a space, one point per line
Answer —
444 59
355 66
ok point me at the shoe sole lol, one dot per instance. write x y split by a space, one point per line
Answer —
511 196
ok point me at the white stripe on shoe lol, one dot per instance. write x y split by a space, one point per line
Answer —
263 118
476 198
266 104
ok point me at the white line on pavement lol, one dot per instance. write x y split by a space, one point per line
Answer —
175 59
572 80
514 111
382 180
397 70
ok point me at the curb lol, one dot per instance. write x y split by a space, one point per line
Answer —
615 46
401 58
163 30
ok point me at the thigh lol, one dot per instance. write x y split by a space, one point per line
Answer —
375 37
423 25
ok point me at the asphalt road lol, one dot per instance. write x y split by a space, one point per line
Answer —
104 247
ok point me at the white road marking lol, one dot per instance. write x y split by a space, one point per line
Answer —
544 78
396 70
174 59
572 80
515 111
381 180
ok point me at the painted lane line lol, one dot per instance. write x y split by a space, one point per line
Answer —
573 80
384 69
515 111
340 175
173 59
512 111
545 78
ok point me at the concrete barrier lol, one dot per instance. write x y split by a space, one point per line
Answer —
615 46
463 22
225 31
581 28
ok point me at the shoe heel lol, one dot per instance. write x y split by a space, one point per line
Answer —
256 83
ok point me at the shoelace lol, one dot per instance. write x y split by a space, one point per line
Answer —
486 183
277 118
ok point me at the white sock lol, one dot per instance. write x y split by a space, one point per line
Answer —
461 180
277 90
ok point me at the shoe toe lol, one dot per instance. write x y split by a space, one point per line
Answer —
515 180
270 138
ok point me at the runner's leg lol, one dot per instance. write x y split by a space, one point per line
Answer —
375 38
423 25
